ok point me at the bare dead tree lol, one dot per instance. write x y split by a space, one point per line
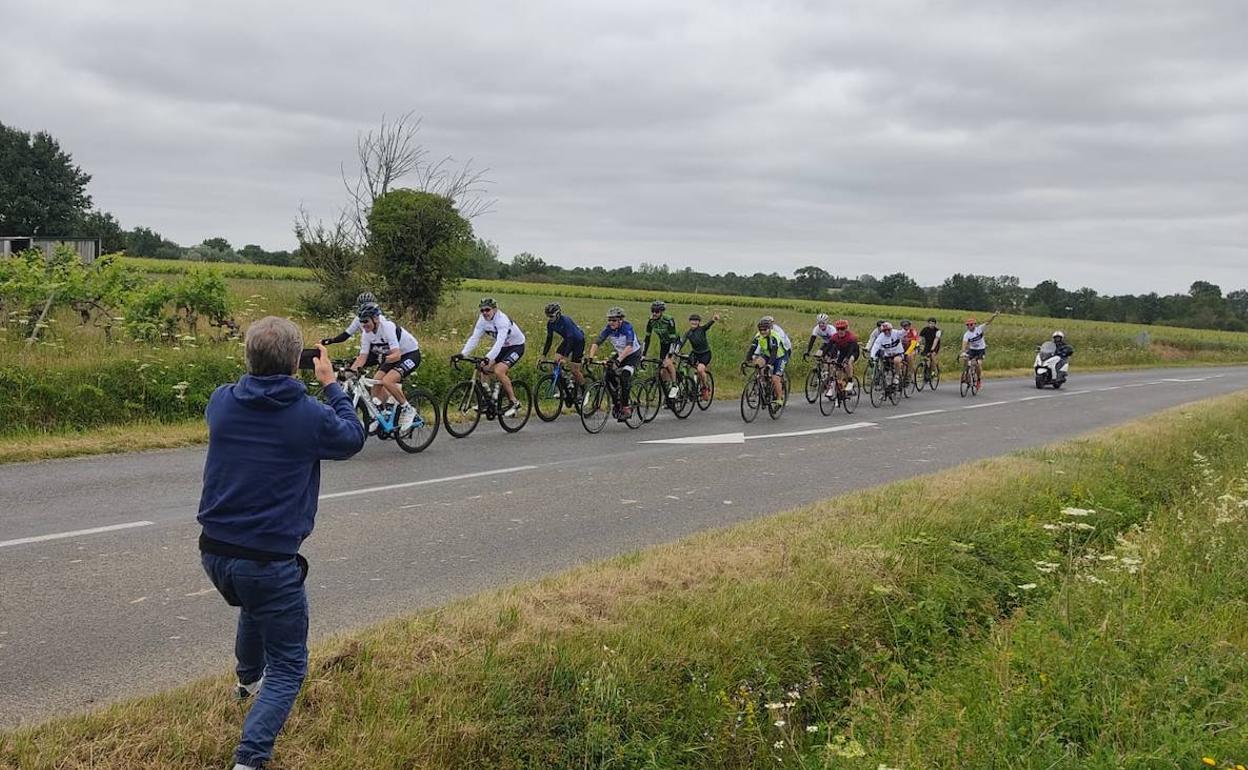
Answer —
392 151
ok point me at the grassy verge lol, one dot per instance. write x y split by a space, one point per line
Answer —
824 637
27 446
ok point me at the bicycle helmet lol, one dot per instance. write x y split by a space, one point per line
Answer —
822 318
841 325
764 323
905 324
886 327
1059 335
658 306
553 310
368 310
880 322
487 302
932 320
695 317
615 313
365 298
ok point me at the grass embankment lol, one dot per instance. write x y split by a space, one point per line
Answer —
958 619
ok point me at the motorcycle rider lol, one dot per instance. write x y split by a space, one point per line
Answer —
1064 350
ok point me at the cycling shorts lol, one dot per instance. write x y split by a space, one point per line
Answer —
406 364
974 354
777 367
573 350
696 358
510 354
631 363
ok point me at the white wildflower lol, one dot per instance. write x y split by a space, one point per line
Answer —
1077 511
1028 586
778 745
812 728
779 723
1050 527
794 694
774 706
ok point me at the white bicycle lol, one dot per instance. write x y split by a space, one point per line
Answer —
381 420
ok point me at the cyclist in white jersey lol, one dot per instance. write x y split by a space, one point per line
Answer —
890 344
507 349
353 328
397 354
974 347
822 331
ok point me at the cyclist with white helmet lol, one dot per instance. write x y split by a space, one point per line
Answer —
663 326
572 345
397 354
889 345
625 358
504 353
353 328
769 348
822 332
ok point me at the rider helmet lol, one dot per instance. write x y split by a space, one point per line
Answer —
365 298
658 306
971 321
1059 335
905 324
553 310
615 313
765 323
368 310
822 318
932 320
886 327
841 325
880 322
488 302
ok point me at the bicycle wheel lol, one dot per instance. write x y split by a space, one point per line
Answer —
549 401
751 400
635 418
524 396
596 408
876 389
425 427
849 402
461 410
682 405
894 392
705 399
921 374
650 396
827 404
908 386
813 380
935 373
774 408
964 386
365 418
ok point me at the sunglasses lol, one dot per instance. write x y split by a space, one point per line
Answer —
485 310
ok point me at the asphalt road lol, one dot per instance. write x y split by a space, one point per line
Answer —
90 617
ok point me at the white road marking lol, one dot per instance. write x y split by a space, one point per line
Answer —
1033 398
915 414
833 429
75 533
717 438
986 403
201 593
1189 379
1076 392
405 485
1111 387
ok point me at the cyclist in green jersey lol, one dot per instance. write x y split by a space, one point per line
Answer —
699 348
664 327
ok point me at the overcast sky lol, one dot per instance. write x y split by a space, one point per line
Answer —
1099 143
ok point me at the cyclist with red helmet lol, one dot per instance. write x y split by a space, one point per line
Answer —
843 350
974 347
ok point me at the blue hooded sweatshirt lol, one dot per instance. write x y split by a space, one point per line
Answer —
262 477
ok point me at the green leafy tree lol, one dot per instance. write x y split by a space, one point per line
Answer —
42 191
527 264
218 243
1047 298
811 281
900 288
481 261
416 240
102 225
963 292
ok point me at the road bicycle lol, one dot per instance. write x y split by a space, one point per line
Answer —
652 390
602 400
759 393
971 381
886 384
842 395
466 402
556 390
381 418
816 378
691 391
927 373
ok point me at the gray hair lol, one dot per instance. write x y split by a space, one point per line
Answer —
273 346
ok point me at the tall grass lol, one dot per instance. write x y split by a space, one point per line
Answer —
833 636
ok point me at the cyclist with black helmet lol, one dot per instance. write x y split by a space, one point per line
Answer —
624 360
504 353
353 328
397 354
699 348
664 327
769 348
875 332
572 340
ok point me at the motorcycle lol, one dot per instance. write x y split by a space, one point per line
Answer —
1050 368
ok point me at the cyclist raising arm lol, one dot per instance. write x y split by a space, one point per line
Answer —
699 348
974 347
767 347
507 349
624 360
397 353
572 346
664 327
353 328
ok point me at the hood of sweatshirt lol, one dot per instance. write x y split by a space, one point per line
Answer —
269 393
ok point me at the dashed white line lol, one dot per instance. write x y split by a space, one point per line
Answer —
405 485
74 533
915 414
988 403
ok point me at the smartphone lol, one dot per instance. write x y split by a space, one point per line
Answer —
307 357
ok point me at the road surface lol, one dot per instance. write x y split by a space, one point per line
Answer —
102 596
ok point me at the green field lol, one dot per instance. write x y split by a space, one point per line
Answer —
1079 606
74 382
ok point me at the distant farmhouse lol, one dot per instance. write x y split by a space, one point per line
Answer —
88 249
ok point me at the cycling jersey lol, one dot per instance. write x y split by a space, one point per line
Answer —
663 327
843 345
975 339
871 340
696 338
566 328
770 346
930 338
386 337
783 337
501 328
911 339
825 333
620 338
888 343
355 327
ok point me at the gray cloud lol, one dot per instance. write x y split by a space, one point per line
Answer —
1098 143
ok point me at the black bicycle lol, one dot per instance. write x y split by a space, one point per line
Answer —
759 392
691 391
466 402
927 372
556 390
844 394
886 384
602 400
652 390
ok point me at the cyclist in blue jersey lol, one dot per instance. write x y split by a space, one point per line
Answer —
572 345
624 360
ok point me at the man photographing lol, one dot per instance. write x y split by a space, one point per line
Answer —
262 476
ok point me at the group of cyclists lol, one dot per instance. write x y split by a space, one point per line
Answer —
396 353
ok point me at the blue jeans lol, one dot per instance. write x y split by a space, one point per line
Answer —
271 641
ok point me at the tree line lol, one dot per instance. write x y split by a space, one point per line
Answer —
421 243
